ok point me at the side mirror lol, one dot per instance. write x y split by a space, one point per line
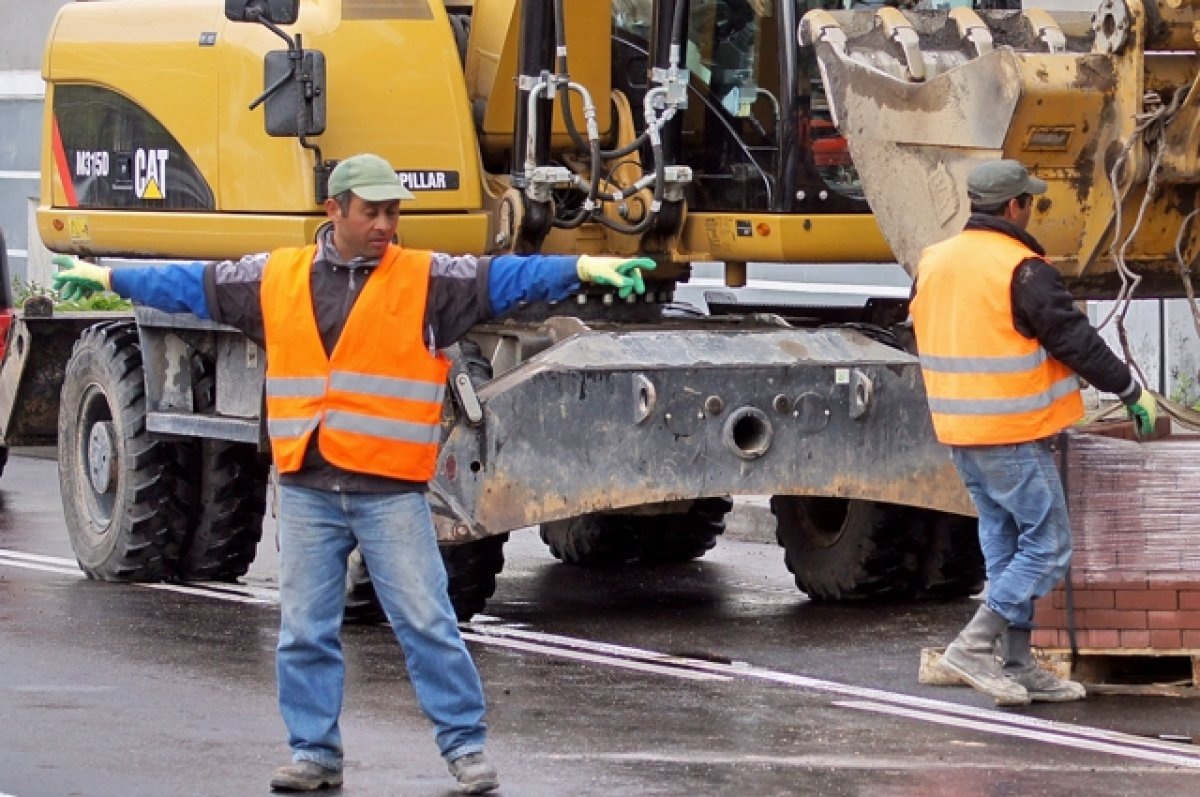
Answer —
295 93
277 12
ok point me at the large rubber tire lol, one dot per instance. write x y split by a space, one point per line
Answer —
590 540
951 563
116 490
222 486
610 539
680 537
219 536
471 569
841 549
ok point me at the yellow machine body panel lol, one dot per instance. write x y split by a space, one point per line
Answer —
774 237
176 146
491 63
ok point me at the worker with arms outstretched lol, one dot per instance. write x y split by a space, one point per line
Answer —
353 328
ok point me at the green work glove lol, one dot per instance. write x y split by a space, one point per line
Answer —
622 273
78 279
1143 413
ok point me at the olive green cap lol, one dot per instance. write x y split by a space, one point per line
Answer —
369 177
996 182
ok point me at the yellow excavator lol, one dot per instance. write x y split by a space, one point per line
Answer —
685 130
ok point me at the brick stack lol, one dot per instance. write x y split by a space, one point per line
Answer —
1135 518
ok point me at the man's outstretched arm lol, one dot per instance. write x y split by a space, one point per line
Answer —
174 288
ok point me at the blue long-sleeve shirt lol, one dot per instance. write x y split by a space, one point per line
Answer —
463 291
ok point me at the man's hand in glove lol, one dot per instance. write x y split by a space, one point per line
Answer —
1143 412
622 273
77 279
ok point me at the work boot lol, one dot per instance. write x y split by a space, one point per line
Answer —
972 657
475 775
305 776
1019 666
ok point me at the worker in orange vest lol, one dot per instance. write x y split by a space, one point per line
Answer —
354 327
1000 342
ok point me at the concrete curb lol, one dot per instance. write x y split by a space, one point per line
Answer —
750 520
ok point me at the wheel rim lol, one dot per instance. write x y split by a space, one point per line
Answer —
99 456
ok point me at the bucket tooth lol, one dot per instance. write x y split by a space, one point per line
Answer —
899 30
972 29
1045 29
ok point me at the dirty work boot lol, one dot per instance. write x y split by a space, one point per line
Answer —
475 775
972 657
305 776
1019 666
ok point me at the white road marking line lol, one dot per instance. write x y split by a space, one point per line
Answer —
1062 740
34 557
596 658
44 568
498 632
744 670
202 589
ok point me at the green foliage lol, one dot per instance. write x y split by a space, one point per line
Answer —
24 291
1186 391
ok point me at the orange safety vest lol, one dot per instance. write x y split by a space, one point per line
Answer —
378 398
987 384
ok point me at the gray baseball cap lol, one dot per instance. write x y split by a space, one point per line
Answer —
996 182
369 177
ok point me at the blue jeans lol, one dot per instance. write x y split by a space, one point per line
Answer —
317 531
1023 527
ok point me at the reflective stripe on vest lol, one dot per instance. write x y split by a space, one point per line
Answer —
987 384
378 408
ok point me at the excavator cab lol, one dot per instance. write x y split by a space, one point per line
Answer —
756 132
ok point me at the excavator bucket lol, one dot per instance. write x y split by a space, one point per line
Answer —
922 96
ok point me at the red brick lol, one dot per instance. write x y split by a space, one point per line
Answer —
1110 618
1166 638
1180 619
1192 583
1102 638
1095 599
1189 599
1191 639
1056 599
1048 617
1128 582
1157 599
1134 640
1045 637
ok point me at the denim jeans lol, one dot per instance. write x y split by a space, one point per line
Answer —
1023 527
317 531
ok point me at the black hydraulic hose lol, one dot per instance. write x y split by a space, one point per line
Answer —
648 219
560 41
677 24
584 212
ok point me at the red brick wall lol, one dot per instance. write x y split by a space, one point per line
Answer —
1135 520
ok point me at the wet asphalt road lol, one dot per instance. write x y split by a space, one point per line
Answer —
710 678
